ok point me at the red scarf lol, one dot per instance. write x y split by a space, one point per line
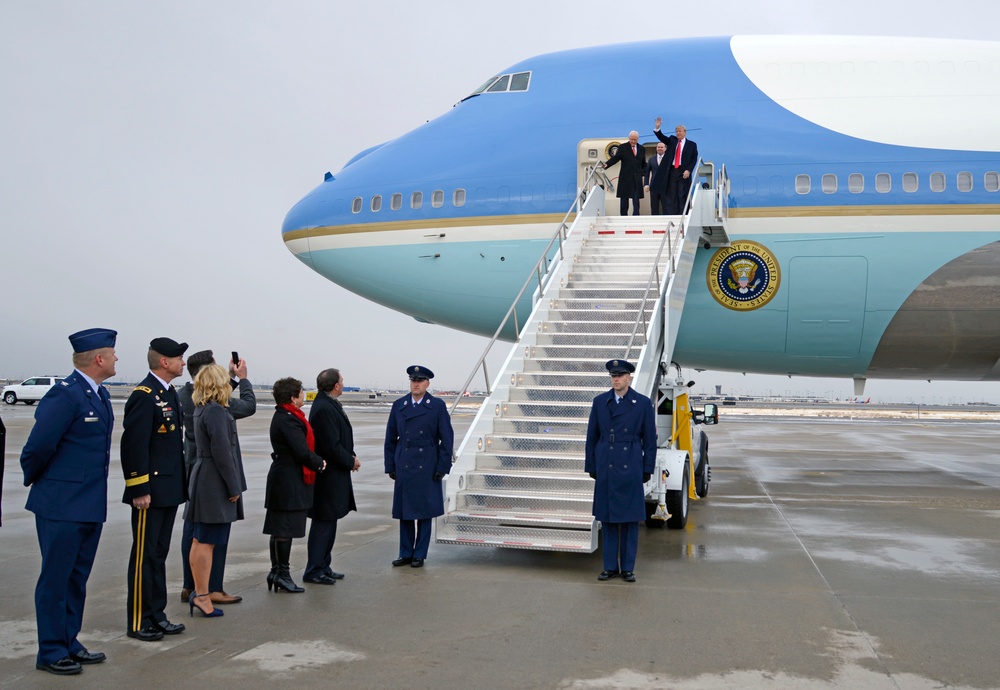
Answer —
308 476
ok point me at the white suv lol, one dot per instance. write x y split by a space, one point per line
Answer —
30 390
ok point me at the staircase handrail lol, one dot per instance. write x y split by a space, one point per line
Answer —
655 273
541 269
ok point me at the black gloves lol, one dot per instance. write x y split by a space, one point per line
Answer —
392 476
438 476
593 475
646 477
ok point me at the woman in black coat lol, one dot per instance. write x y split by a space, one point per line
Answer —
289 492
217 480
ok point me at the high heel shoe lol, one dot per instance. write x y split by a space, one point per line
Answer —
270 578
214 614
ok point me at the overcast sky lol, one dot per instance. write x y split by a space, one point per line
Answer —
150 152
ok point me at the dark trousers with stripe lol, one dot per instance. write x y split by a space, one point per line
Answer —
68 551
621 542
147 566
414 538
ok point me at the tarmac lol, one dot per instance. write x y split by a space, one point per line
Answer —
830 553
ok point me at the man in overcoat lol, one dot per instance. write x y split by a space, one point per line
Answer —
243 406
418 450
333 493
656 178
152 454
65 462
620 457
632 156
682 157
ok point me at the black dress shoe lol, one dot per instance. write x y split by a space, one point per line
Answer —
63 667
401 561
335 576
150 634
168 628
417 563
320 580
607 575
86 657
628 576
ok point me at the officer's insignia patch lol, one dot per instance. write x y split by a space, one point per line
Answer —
162 429
743 276
144 389
173 428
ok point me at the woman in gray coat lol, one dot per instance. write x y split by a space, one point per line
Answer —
217 480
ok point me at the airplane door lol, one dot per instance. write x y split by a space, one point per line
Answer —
826 305
593 152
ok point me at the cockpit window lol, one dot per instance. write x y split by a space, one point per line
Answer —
504 83
501 84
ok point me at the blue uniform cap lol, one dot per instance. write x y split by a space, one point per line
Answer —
167 347
419 373
93 339
617 367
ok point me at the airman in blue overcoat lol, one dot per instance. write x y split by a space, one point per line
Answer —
620 457
65 462
418 448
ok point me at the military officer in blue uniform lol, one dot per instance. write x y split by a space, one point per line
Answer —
621 457
65 462
152 453
418 449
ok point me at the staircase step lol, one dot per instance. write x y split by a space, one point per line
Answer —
558 426
525 504
529 410
597 353
576 483
536 443
586 326
573 379
526 394
566 365
538 533
599 314
530 462
619 340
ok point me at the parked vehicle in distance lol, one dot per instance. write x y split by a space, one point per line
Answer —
30 390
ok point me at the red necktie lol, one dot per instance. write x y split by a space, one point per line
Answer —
634 151
677 154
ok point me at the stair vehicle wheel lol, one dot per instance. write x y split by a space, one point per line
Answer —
702 475
10 398
677 503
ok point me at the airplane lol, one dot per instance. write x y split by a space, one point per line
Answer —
863 170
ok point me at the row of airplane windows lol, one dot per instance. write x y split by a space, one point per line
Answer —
937 181
829 184
458 197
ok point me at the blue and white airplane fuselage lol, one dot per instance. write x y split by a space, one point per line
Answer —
867 169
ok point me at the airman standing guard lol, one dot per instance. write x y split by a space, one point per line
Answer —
418 448
620 457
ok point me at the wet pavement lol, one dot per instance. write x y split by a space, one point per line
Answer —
829 554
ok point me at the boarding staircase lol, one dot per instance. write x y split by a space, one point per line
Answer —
519 479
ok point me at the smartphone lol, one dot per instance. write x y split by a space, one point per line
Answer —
236 358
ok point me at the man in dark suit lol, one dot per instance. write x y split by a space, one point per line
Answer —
239 408
418 448
656 179
65 462
683 156
621 457
632 157
333 493
152 454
